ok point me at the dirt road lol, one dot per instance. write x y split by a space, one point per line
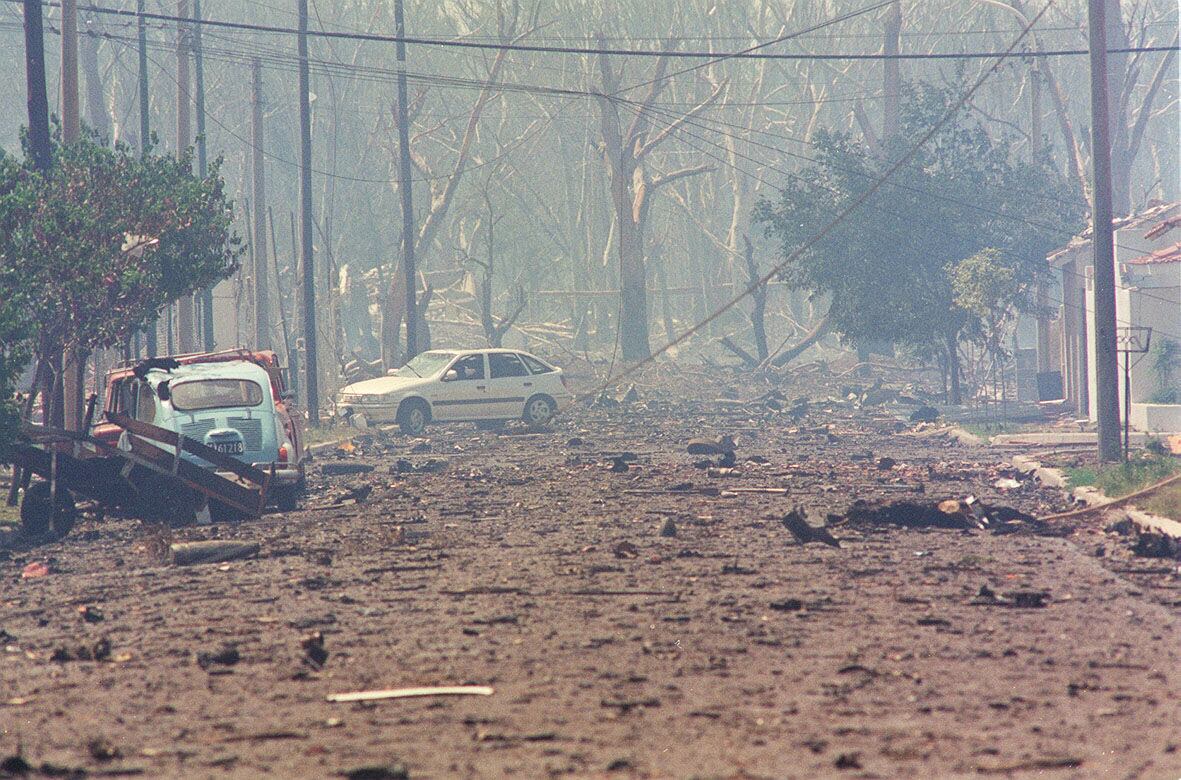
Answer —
651 622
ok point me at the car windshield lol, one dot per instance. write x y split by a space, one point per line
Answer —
426 364
214 394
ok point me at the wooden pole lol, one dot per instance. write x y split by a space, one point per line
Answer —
185 332
305 224
145 129
404 187
262 332
38 101
1106 355
205 297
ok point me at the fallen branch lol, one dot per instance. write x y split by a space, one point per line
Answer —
410 693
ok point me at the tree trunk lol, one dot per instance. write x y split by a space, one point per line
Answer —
953 368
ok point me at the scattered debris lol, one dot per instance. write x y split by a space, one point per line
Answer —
226 655
408 693
1021 599
99 651
625 550
34 570
805 532
102 749
719 446
378 772
314 654
787 605
848 761
926 414
214 551
1006 483
885 463
91 614
344 469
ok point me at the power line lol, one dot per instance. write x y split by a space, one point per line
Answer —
595 51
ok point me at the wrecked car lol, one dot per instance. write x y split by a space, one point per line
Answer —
233 404
486 386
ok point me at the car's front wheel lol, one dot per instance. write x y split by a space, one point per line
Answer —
413 415
539 411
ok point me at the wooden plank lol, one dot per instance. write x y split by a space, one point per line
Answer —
191 446
197 478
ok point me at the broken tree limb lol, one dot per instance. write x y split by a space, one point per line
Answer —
819 331
750 360
410 693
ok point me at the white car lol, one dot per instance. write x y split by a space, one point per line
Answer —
481 386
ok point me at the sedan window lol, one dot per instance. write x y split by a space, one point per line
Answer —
505 364
535 365
469 367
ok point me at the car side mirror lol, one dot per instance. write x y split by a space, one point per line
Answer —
163 391
451 375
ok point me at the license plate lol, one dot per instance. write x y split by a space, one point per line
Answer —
229 447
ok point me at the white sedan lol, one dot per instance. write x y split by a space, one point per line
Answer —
481 386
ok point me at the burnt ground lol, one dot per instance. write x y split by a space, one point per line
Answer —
525 563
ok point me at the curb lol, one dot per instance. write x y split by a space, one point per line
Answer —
1051 477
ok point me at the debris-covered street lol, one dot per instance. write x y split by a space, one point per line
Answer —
637 610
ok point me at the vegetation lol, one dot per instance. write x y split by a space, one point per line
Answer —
92 250
1166 359
923 265
1121 479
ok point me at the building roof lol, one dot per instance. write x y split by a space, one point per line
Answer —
1157 214
1170 254
1162 227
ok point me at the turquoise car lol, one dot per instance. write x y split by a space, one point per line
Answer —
227 405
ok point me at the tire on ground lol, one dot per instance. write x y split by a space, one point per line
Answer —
539 411
39 517
413 415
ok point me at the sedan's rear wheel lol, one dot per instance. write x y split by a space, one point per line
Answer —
539 411
413 416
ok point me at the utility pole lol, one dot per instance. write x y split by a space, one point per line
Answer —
73 363
1106 356
144 127
305 222
404 185
37 100
262 332
69 81
206 295
185 341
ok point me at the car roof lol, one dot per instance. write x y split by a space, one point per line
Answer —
226 369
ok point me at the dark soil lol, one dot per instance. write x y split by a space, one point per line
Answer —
618 643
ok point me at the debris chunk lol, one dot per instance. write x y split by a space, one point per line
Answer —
34 570
668 528
805 532
214 551
719 446
314 653
334 469
226 655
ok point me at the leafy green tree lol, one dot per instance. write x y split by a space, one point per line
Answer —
93 249
992 291
885 270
